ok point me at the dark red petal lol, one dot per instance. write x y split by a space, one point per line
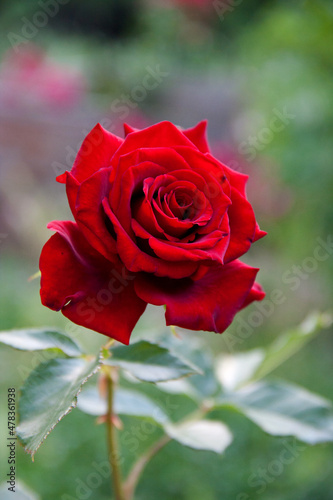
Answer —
211 247
242 226
90 213
132 181
166 158
198 136
201 161
256 293
209 303
128 129
236 179
72 189
259 233
95 153
163 134
215 189
144 215
137 260
88 289
171 225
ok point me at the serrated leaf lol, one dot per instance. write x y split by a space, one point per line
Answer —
288 344
201 435
126 402
283 409
150 362
48 394
38 339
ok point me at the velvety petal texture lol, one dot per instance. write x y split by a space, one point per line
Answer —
87 288
158 220
209 303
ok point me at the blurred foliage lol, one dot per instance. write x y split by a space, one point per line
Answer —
273 55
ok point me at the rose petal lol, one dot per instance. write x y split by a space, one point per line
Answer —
209 303
90 214
198 136
88 289
236 179
256 293
166 158
137 260
72 189
214 248
132 181
143 213
128 129
202 162
95 153
216 187
242 226
163 134
259 233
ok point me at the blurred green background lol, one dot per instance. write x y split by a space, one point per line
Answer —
261 72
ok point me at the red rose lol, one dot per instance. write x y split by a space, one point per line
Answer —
158 220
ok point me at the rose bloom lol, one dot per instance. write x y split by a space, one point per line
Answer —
158 220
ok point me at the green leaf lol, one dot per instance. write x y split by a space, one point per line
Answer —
283 409
37 339
196 352
180 386
126 402
22 492
291 342
49 393
150 362
236 370
233 370
201 435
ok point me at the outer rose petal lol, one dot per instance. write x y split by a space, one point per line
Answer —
87 288
242 226
259 233
209 303
198 136
95 153
90 214
256 293
236 179
128 129
163 134
72 189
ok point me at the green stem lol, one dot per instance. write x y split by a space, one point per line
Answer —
116 482
134 475
136 471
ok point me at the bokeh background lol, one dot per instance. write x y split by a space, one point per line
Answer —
261 72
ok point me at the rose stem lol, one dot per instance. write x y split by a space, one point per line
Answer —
116 482
136 471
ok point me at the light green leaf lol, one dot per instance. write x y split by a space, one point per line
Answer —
150 362
49 393
180 386
22 492
291 342
37 339
126 402
283 409
201 435
233 370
